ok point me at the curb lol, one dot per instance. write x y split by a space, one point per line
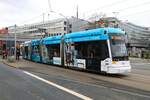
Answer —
9 64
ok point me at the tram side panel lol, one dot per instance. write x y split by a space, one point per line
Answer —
35 56
44 54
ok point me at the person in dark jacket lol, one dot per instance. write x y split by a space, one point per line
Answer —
17 53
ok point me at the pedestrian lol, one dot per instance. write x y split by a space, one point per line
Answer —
6 53
17 53
3 53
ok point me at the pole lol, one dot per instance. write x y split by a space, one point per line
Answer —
77 12
15 42
43 17
7 46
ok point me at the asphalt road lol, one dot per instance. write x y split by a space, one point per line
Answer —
17 84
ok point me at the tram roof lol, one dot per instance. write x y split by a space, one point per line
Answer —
35 42
52 40
93 32
92 35
26 43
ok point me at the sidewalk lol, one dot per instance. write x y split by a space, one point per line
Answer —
139 60
21 64
17 64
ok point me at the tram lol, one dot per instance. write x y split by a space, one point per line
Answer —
100 50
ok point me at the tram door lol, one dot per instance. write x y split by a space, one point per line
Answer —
26 52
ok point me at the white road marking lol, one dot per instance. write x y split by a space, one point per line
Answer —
59 87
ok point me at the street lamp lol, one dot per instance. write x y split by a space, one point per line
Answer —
15 41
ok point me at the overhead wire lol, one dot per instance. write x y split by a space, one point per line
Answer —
126 8
134 6
107 6
136 13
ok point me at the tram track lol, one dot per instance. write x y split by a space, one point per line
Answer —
99 83
131 80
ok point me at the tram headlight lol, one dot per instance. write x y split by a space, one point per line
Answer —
114 62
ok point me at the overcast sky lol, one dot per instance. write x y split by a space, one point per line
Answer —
29 11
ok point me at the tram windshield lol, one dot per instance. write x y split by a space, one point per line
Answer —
118 47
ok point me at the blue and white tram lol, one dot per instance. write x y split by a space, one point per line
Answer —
101 50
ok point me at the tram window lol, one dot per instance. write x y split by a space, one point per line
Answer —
64 28
70 31
35 50
26 50
53 50
65 22
70 26
94 49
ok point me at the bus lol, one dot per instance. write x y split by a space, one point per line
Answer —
99 50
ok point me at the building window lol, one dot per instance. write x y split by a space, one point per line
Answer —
65 22
64 28
70 31
70 26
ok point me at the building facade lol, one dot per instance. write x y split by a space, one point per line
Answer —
51 28
3 43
